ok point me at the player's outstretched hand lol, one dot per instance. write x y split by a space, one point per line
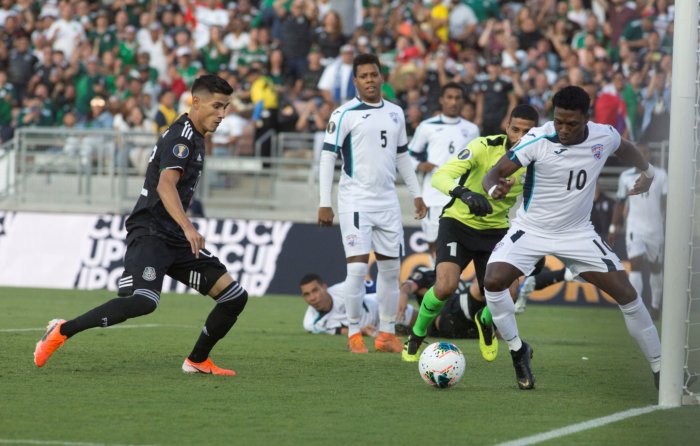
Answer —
502 188
421 208
641 185
478 204
196 240
325 216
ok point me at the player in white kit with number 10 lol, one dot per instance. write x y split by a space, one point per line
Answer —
564 159
370 134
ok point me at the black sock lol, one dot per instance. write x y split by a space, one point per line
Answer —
218 323
474 306
110 313
547 278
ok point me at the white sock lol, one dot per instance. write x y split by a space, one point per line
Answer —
656 281
642 329
353 293
503 312
388 293
636 281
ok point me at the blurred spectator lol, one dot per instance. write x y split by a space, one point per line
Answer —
495 99
137 138
65 33
336 83
610 108
225 139
657 109
215 54
236 40
295 38
307 87
329 37
21 65
166 113
7 102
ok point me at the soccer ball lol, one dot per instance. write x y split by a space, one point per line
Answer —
442 365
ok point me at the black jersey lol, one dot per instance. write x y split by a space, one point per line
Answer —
180 147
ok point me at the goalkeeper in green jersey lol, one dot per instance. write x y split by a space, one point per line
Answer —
471 225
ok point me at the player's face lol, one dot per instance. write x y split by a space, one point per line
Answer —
210 109
316 295
517 128
368 82
570 125
452 102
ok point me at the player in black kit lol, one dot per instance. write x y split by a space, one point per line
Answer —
162 240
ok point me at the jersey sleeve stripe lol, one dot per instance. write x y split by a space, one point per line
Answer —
330 147
402 149
533 141
419 156
340 121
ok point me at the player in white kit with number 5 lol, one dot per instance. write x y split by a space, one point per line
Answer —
370 135
564 159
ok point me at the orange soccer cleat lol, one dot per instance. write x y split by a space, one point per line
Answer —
356 344
50 342
207 367
388 342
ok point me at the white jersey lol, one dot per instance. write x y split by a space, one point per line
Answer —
560 180
335 319
645 216
437 140
368 138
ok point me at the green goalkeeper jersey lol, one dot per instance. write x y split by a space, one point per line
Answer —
468 169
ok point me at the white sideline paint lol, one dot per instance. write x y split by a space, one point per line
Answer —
59 443
18 330
578 427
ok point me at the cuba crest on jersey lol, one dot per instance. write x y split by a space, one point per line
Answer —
597 151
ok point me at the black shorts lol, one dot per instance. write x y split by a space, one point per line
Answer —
148 259
460 244
453 323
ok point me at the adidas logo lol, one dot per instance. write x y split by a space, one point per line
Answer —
199 157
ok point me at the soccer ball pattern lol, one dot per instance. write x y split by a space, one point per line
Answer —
442 365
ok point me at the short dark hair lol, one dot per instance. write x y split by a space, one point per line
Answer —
451 85
211 83
365 59
572 98
525 111
311 277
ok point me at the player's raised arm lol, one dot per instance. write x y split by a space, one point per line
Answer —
495 181
629 154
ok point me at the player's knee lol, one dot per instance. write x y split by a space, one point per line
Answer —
140 304
443 289
235 307
495 282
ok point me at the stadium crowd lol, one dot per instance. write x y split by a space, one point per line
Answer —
129 64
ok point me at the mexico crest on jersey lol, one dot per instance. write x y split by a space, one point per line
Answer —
394 117
149 273
597 151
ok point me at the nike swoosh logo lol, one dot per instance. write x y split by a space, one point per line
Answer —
200 370
48 332
367 116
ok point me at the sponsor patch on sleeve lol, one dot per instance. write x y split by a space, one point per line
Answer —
181 151
465 154
331 127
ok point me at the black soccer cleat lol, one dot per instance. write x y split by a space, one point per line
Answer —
411 348
521 363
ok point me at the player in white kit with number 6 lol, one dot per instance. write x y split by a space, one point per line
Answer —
564 159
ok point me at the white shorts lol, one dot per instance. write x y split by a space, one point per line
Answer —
652 248
581 250
431 223
365 231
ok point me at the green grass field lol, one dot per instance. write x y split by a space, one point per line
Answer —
124 386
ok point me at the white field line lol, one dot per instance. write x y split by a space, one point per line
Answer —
58 443
19 330
578 427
